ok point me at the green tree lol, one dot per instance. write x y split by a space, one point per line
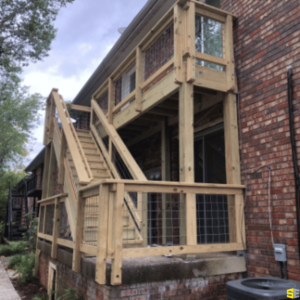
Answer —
19 114
26 31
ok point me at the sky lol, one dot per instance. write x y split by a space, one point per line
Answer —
86 31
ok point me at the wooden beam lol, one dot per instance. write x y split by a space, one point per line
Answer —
111 99
179 42
56 227
190 42
116 264
186 158
78 234
81 108
139 78
46 172
52 173
102 234
163 111
150 117
61 168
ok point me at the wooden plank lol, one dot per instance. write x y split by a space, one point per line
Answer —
122 68
46 172
44 220
211 59
111 99
49 200
126 100
45 236
37 262
88 250
65 243
110 225
179 42
157 74
179 250
71 213
160 92
240 220
210 15
81 108
191 33
101 90
78 234
72 144
139 78
102 234
56 228
56 140
61 168
126 156
229 55
68 186
116 264
92 192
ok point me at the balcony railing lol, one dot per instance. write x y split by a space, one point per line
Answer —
193 42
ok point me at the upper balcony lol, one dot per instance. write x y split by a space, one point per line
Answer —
192 43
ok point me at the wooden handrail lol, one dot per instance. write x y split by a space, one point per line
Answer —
76 151
129 161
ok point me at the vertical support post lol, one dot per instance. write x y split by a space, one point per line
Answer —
52 171
61 168
116 265
232 157
186 157
229 55
102 234
46 172
144 207
111 99
44 220
139 79
110 222
37 251
78 233
240 220
191 33
179 31
56 227
166 176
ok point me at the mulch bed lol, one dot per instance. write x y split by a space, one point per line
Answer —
28 291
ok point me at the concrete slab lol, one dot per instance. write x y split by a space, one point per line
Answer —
7 290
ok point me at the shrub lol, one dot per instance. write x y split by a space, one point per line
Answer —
14 261
2 229
13 248
24 266
30 235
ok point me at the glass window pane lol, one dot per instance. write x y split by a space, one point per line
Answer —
209 39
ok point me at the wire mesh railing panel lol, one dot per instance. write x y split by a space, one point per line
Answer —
80 120
125 84
215 219
103 102
101 131
90 221
49 219
42 216
164 219
65 229
159 52
121 167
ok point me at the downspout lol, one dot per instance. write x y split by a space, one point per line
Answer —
294 153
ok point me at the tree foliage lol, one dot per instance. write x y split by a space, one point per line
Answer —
27 30
18 116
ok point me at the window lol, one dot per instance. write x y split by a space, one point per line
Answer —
215 3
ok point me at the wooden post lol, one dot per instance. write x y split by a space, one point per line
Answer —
37 251
44 221
229 55
139 79
179 44
102 234
166 176
233 173
78 233
144 207
46 172
61 168
56 227
191 34
116 265
111 99
52 171
186 157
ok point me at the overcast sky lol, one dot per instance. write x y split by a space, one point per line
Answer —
87 30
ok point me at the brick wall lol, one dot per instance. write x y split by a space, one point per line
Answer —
206 288
266 40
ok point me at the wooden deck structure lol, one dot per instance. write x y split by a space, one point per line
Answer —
97 199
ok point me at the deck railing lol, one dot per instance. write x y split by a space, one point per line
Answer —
193 42
102 222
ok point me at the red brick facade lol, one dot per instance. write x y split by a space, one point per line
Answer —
266 42
206 288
